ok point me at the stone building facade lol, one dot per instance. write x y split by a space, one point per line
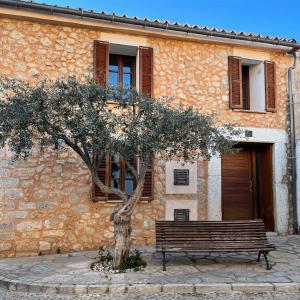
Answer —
45 201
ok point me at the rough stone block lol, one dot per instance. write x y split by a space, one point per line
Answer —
22 287
144 288
7 236
35 288
178 288
44 246
288 287
97 289
16 215
80 289
9 205
6 226
27 245
212 287
253 287
9 182
50 289
117 288
4 246
28 226
27 205
66 289
16 193
45 205
53 233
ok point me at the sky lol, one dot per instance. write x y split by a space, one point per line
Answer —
268 17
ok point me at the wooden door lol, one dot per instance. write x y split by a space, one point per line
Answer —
237 186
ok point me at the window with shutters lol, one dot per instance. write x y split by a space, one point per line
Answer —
124 65
117 174
252 85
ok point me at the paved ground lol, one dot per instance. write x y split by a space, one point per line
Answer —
5 295
230 269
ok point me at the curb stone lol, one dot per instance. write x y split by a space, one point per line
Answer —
253 287
151 288
287 288
213 288
178 288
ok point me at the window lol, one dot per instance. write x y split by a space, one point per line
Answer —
121 70
116 64
252 84
121 177
118 175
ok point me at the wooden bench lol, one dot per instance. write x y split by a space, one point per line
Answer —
212 236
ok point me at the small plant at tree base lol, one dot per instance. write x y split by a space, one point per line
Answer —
133 262
104 256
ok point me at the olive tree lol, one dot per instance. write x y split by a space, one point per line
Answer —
95 122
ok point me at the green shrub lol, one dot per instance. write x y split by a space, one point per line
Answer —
104 256
134 262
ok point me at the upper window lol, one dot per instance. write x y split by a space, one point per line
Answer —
116 64
252 84
121 70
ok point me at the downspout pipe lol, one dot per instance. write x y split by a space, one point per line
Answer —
292 137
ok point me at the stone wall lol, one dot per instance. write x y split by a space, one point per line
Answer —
45 200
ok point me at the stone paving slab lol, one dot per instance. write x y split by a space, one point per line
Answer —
193 273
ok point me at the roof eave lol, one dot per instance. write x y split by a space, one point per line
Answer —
188 32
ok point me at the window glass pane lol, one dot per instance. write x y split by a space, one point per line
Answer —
129 186
113 78
127 79
128 180
127 63
113 62
115 175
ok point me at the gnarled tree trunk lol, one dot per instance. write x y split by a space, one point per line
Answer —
122 224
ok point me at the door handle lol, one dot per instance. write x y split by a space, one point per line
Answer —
250 185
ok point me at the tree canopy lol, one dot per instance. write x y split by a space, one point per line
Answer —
96 121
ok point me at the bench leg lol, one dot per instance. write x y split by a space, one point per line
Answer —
164 261
266 259
258 257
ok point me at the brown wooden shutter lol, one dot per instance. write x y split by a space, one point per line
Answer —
146 70
270 85
101 61
235 82
102 173
148 184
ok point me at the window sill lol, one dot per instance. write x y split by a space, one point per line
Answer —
250 111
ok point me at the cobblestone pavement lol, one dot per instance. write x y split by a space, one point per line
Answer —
191 270
6 295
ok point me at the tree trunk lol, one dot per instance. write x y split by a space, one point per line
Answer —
122 224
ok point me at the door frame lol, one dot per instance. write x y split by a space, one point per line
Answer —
279 139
